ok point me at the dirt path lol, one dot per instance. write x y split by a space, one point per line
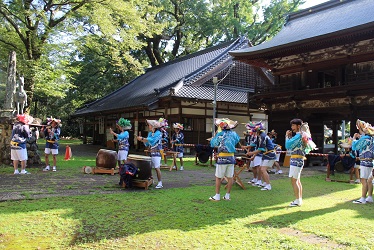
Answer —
41 184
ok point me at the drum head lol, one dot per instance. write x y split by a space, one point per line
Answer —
339 166
139 157
88 170
203 156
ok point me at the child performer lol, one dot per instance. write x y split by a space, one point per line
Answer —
265 148
365 146
177 140
123 139
153 142
278 149
250 146
299 145
52 136
20 134
225 141
165 138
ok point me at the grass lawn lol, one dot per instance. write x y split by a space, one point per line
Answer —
184 218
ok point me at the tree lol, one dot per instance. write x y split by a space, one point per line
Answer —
193 25
31 27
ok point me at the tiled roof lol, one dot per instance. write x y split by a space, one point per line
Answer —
322 21
157 81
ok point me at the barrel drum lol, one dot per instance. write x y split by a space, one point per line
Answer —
144 165
106 159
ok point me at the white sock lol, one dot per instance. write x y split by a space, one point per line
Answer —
227 196
217 197
160 183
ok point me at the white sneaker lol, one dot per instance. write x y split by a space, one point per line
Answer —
257 184
47 168
254 180
279 172
174 167
16 171
266 188
54 169
359 201
24 172
159 185
357 181
295 204
369 199
181 168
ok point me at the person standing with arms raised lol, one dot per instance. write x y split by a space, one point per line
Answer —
299 142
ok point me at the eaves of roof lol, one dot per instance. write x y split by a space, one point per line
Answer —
327 23
157 82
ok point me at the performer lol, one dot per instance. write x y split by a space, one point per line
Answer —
52 136
165 138
154 144
251 140
226 141
122 139
299 144
265 149
278 148
365 146
177 140
20 134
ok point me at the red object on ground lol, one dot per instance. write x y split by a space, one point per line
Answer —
68 153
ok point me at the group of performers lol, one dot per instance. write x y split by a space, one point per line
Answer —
21 133
156 141
261 149
262 152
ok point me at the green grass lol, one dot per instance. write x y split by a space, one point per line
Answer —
183 218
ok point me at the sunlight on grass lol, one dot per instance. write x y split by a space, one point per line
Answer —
183 218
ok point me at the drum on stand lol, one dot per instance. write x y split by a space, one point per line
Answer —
106 159
143 163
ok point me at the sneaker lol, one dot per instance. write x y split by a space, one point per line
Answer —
46 168
357 181
369 199
54 169
174 167
359 201
226 199
181 168
266 188
279 172
294 204
254 180
24 172
16 171
159 186
211 198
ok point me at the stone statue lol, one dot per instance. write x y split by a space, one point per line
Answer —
20 97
